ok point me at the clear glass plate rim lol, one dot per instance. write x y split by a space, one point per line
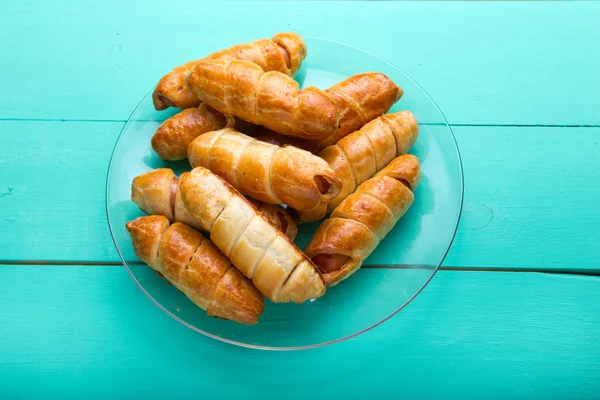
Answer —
316 345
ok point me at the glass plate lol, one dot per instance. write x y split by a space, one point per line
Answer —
391 277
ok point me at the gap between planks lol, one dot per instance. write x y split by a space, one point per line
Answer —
424 124
444 268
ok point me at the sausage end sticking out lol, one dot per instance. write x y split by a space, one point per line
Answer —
330 262
322 184
173 194
286 55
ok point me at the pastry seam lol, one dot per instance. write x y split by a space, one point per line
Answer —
216 218
394 218
374 153
226 95
375 196
173 199
185 267
270 171
263 254
399 150
356 184
159 263
287 278
391 132
379 200
209 156
241 232
216 286
358 222
237 161
353 105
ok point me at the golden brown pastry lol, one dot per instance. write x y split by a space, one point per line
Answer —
262 253
270 99
363 219
196 267
174 135
283 53
361 98
158 192
272 174
358 156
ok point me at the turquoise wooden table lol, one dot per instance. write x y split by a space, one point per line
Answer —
514 312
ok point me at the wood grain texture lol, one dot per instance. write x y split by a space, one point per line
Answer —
52 190
528 201
70 332
490 65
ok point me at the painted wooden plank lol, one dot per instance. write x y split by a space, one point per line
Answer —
52 182
70 332
484 63
528 201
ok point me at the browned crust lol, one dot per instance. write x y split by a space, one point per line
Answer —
360 98
268 173
171 90
363 219
153 192
272 265
196 267
173 136
359 156
271 99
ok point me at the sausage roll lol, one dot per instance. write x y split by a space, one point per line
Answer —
363 219
359 156
271 99
195 266
361 98
284 53
262 253
158 192
271 174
